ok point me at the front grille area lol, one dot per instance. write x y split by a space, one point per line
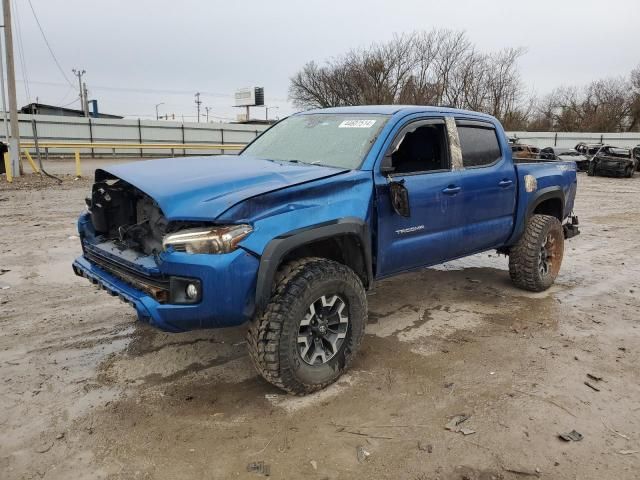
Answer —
156 286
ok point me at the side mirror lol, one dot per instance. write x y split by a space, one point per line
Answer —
399 198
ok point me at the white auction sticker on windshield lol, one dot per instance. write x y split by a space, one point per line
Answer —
357 124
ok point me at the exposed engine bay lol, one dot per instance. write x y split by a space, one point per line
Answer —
129 217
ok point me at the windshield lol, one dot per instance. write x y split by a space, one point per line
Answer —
620 152
335 140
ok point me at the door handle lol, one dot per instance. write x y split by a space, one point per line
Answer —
505 183
451 190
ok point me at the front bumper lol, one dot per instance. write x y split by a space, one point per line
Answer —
228 290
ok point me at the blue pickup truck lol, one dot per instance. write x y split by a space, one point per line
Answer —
289 235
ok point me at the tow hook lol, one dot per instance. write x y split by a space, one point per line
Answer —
571 227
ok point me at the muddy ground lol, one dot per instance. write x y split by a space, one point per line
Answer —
87 392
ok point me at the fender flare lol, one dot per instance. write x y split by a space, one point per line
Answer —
542 195
280 246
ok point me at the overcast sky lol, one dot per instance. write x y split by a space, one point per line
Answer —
138 53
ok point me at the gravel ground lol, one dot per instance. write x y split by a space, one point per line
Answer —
87 392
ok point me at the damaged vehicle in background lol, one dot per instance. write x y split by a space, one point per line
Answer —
588 150
288 236
566 155
521 150
612 161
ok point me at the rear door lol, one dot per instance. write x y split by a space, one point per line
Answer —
488 182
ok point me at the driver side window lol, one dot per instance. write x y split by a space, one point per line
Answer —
423 149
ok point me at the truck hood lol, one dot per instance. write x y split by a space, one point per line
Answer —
202 188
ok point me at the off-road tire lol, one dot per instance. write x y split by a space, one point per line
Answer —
591 170
525 256
272 335
629 172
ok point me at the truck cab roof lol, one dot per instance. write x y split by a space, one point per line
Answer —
395 109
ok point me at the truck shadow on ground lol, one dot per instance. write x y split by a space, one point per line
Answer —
422 312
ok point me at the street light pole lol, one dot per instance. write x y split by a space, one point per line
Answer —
157 105
266 112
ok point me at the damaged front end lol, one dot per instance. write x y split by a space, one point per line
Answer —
159 266
122 213
127 238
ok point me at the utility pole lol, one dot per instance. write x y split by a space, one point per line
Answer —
79 73
14 142
198 102
5 115
206 109
85 105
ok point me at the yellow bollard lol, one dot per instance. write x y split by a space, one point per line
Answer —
7 167
31 162
78 171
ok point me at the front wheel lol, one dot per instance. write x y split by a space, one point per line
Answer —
591 171
534 262
312 326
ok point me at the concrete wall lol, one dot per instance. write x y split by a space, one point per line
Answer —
54 128
60 129
570 139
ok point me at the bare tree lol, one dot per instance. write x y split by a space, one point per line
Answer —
609 105
443 67
440 67
634 124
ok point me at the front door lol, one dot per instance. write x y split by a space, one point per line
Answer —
418 158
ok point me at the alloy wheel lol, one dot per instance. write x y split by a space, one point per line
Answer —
323 330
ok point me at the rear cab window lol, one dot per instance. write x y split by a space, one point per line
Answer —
479 145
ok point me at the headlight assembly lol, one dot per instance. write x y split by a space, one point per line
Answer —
218 239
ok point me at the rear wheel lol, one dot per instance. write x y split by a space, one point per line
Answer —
311 328
534 262
629 172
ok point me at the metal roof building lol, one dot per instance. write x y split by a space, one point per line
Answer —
44 109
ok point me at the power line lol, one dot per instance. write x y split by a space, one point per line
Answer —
53 55
70 103
23 64
69 90
152 90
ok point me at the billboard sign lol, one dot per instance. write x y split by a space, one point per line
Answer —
249 97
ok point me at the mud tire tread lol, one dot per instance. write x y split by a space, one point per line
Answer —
266 330
523 257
